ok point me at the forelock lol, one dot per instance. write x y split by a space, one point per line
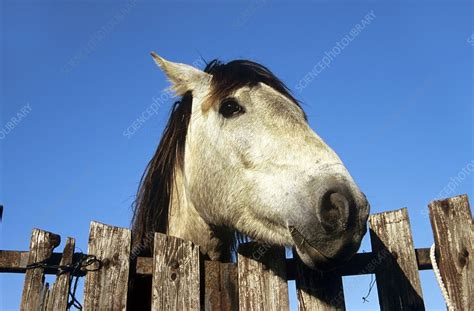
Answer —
229 77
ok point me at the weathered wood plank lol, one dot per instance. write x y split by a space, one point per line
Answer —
176 277
44 296
41 247
356 266
57 296
13 261
262 277
318 290
452 224
221 290
398 281
16 261
144 266
106 288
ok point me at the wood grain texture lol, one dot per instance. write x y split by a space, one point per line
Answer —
452 224
221 289
16 261
398 280
359 264
42 244
259 281
317 290
262 277
106 288
58 294
176 274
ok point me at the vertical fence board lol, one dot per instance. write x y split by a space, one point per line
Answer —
398 280
106 288
259 281
42 244
221 291
318 290
176 274
44 296
452 225
58 294
262 277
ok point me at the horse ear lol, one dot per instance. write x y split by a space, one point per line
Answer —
182 77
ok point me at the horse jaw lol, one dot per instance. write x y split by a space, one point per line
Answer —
184 222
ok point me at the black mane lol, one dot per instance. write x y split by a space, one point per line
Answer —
226 78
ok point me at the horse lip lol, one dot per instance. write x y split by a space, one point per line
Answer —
302 242
325 262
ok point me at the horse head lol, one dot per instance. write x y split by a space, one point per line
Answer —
238 155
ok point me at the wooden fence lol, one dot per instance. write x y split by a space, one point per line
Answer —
182 280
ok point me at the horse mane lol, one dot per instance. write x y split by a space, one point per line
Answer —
150 209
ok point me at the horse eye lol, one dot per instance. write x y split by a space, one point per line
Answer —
230 108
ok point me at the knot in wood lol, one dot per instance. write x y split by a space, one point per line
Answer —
463 257
173 276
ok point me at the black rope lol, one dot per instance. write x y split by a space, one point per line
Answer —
76 270
371 285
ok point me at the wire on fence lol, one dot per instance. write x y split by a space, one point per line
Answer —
84 264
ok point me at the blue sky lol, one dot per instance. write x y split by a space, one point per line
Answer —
395 103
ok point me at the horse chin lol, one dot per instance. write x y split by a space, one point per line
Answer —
311 256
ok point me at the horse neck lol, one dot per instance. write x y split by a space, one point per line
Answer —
185 222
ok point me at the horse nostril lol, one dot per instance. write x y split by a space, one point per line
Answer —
334 212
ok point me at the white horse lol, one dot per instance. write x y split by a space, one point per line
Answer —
237 155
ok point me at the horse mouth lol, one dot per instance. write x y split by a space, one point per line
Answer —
310 255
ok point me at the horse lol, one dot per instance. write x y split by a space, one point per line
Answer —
238 158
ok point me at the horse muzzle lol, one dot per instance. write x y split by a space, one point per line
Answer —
328 236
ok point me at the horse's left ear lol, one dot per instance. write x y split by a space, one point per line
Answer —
183 77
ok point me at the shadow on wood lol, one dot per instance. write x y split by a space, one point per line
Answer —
395 290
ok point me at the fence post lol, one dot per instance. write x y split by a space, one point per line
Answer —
176 274
221 290
42 244
262 277
318 290
106 287
453 229
59 291
398 280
